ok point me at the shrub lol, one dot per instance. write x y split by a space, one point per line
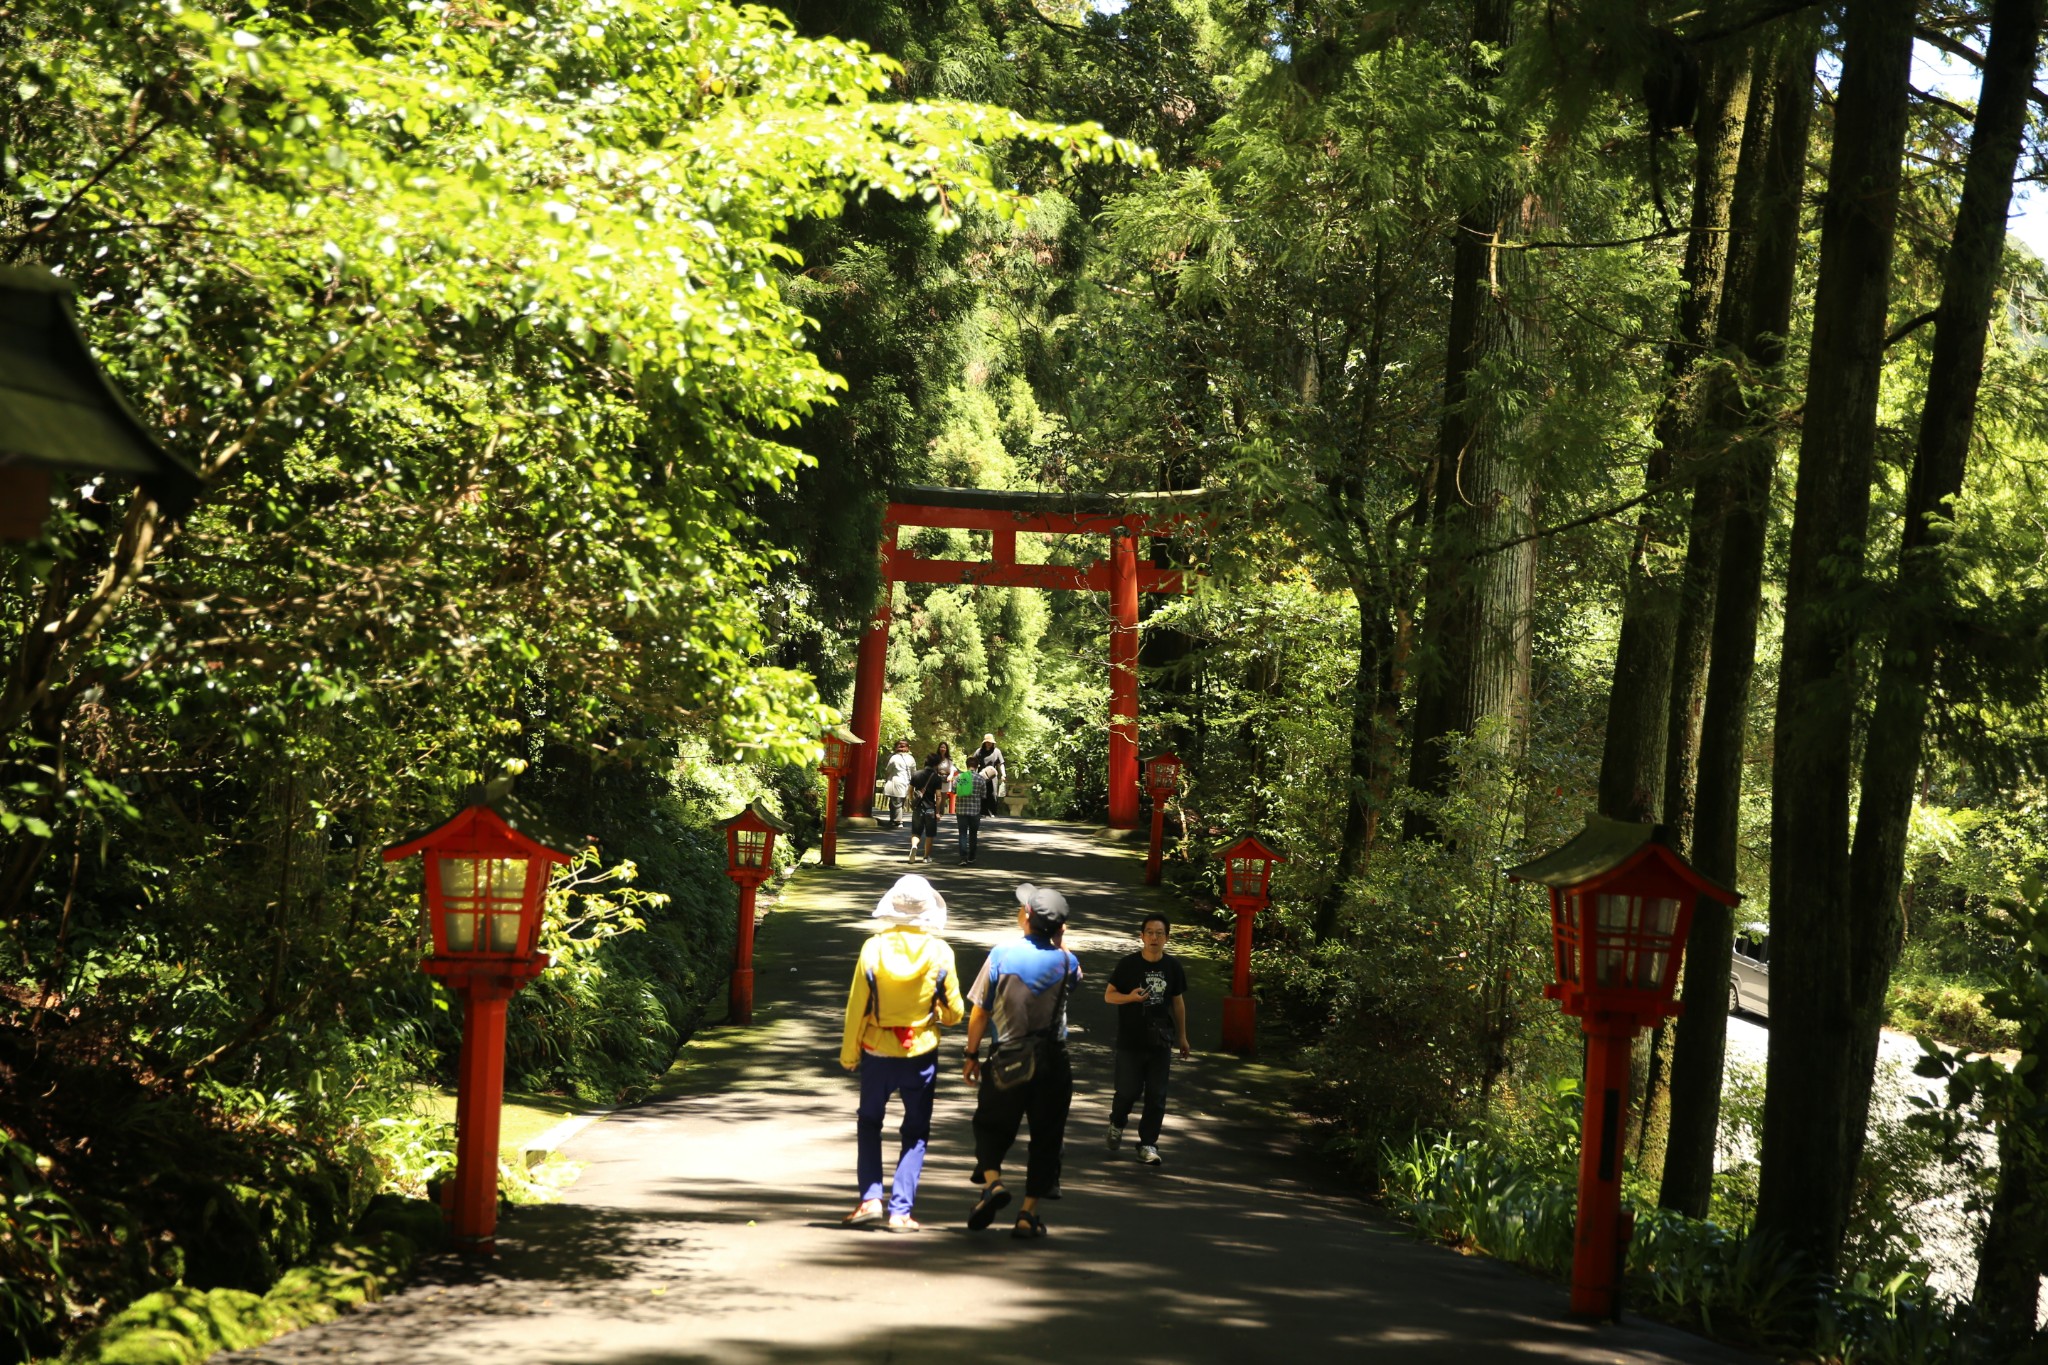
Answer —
1949 1010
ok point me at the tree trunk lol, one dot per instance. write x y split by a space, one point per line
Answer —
1474 660
2015 1251
1757 313
1633 758
1962 321
1804 1193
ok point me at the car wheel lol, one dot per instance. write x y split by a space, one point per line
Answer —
1734 997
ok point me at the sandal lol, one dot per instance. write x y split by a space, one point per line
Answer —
866 1212
903 1222
993 1198
1029 1227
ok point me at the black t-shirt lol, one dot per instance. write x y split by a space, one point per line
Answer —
1149 1024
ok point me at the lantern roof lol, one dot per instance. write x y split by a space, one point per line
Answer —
58 409
1249 846
1165 756
492 803
761 814
1605 849
844 734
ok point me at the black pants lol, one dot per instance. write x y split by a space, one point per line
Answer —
1141 1072
1043 1101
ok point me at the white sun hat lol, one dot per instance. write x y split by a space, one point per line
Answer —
915 901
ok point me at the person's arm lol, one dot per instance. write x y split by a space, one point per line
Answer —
1180 1023
856 1014
1115 994
977 1024
949 1005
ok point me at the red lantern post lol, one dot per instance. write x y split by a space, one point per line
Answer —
841 746
749 860
487 873
1247 889
1162 782
1621 903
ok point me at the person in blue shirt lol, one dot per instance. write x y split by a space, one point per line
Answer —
1022 995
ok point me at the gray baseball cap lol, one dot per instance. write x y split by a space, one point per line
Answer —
1044 903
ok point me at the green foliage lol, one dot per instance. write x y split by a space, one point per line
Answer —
36 1226
182 1326
1950 1010
1435 1001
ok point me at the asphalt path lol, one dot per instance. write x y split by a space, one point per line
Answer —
705 1226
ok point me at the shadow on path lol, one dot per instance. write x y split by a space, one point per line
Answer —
706 1225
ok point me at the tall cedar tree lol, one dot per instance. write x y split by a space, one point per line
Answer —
1808 1152
1476 641
1756 314
1921 621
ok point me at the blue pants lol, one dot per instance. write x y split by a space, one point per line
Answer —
970 834
880 1077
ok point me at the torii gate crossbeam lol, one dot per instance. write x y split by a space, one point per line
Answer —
1003 514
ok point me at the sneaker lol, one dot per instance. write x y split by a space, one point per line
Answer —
903 1222
1148 1155
865 1213
1114 1138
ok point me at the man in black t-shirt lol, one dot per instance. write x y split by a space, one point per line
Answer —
1149 989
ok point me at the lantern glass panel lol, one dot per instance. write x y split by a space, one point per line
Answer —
835 753
1633 941
750 847
1247 877
481 900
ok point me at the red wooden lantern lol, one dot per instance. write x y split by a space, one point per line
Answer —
1621 904
1162 782
841 745
1247 889
749 860
487 871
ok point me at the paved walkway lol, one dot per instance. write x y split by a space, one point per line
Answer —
706 1227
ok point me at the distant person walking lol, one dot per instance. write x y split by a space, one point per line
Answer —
948 770
902 767
1022 993
970 798
927 787
986 757
905 987
1149 989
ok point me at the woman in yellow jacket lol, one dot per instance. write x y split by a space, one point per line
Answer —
904 988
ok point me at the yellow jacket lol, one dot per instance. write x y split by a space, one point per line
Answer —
904 987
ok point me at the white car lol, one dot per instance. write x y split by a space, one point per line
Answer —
1749 973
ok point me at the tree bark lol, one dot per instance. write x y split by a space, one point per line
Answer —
1633 757
1962 323
2007 1295
1474 660
1804 1191
1756 315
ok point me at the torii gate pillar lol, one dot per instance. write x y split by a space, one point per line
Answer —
870 680
1123 680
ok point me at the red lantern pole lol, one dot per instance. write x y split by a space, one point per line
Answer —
1595 1251
1240 1011
486 885
828 842
471 1198
740 1000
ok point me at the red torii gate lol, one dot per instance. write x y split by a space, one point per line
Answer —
1003 514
